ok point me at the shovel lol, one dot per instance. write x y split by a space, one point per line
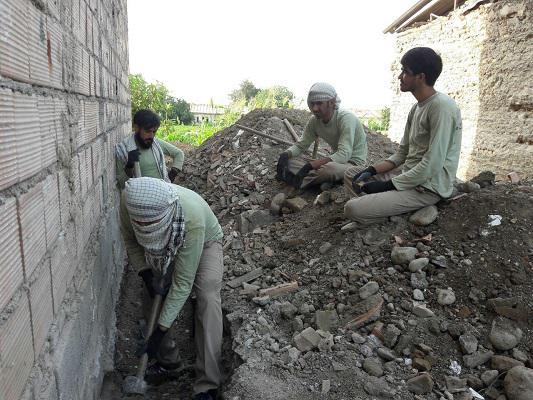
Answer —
135 384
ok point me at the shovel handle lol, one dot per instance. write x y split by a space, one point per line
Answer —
136 169
154 313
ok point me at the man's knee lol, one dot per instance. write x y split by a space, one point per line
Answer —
352 211
327 172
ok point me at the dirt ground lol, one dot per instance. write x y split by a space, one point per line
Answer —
477 262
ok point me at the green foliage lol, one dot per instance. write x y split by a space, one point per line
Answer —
195 135
385 118
274 97
155 96
147 95
379 124
246 92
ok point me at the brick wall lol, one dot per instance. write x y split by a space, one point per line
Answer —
64 104
488 70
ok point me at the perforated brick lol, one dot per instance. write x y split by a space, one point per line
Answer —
17 351
41 306
38 46
27 134
31 216
51 209
46 106
8 142
54 39
11 272
14 50
63 261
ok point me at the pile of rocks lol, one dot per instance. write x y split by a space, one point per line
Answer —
422 306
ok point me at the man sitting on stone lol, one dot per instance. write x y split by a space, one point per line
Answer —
170 232
339 128
428 153
144 147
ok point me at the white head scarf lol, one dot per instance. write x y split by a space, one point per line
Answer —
153 201
322 91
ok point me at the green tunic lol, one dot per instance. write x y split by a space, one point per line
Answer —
148 163
430 147
343 132
201 226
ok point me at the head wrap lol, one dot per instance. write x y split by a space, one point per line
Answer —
156 204
322 91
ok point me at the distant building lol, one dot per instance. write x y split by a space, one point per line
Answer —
485 46
205 112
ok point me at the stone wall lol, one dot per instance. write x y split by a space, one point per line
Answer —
64 103
488 70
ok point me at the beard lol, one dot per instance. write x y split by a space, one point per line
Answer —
145 144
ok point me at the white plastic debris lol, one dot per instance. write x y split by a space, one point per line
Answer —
455 368
236 140
495 220
475 394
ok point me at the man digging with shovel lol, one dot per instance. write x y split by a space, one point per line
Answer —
173 231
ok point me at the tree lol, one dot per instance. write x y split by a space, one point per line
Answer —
179 110
156 97
246 92
274 97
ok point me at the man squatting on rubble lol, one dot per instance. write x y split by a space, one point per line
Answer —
339 128
170 231
429 150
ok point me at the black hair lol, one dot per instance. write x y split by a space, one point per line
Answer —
423 60
146 119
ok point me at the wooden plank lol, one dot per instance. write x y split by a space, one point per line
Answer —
276 139
250 276
277 290
291 129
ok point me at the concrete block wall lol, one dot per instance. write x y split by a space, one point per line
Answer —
64 104
477 59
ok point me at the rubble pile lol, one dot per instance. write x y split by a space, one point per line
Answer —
433 305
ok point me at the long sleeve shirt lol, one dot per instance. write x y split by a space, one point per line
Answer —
343 132
148 163
430 147
201 226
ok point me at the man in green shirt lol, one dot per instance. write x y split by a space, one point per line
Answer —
428 153
172 231
143 146
339 128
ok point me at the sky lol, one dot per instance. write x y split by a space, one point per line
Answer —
203 49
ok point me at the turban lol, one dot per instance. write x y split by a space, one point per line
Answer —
322 91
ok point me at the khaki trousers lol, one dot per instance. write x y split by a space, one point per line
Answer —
208 318
331 172
373 208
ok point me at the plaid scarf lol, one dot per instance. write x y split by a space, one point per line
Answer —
157 219
128 144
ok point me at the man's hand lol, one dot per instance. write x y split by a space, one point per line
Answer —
133 156
173 173
361 177
152 284
148 277
377 187
282 166
152 344
364 174
301 174
316 164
